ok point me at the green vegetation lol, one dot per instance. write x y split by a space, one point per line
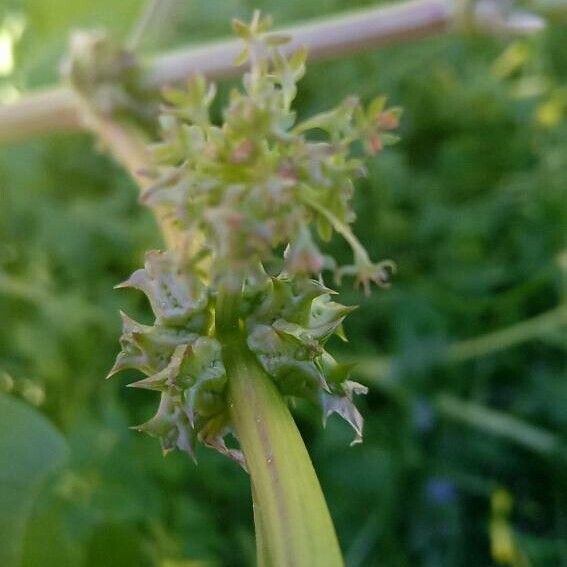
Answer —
464 452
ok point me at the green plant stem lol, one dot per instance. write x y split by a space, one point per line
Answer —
500 424
472 414
375 367
510 336
293 524
341 228
262 552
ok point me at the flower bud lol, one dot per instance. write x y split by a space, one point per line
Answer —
302 256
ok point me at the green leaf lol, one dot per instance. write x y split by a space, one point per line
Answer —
30 448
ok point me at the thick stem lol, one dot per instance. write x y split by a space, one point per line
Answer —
293 523
56 109
327 37
47 111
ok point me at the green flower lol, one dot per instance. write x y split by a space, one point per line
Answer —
239 193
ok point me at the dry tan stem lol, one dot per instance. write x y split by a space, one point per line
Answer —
327 38
52 110
56 110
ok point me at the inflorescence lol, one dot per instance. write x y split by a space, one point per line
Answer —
240 196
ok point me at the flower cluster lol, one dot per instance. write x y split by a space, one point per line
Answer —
288 322
179 358
258 181
239 194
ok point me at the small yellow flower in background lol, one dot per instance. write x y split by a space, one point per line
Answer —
551 111
503 544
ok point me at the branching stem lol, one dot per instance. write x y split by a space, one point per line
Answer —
344 230
55 110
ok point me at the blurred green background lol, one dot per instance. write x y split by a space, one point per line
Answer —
464 458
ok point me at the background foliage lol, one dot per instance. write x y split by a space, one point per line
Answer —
471 205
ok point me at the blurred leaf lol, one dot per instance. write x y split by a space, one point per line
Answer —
116 546
30 448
